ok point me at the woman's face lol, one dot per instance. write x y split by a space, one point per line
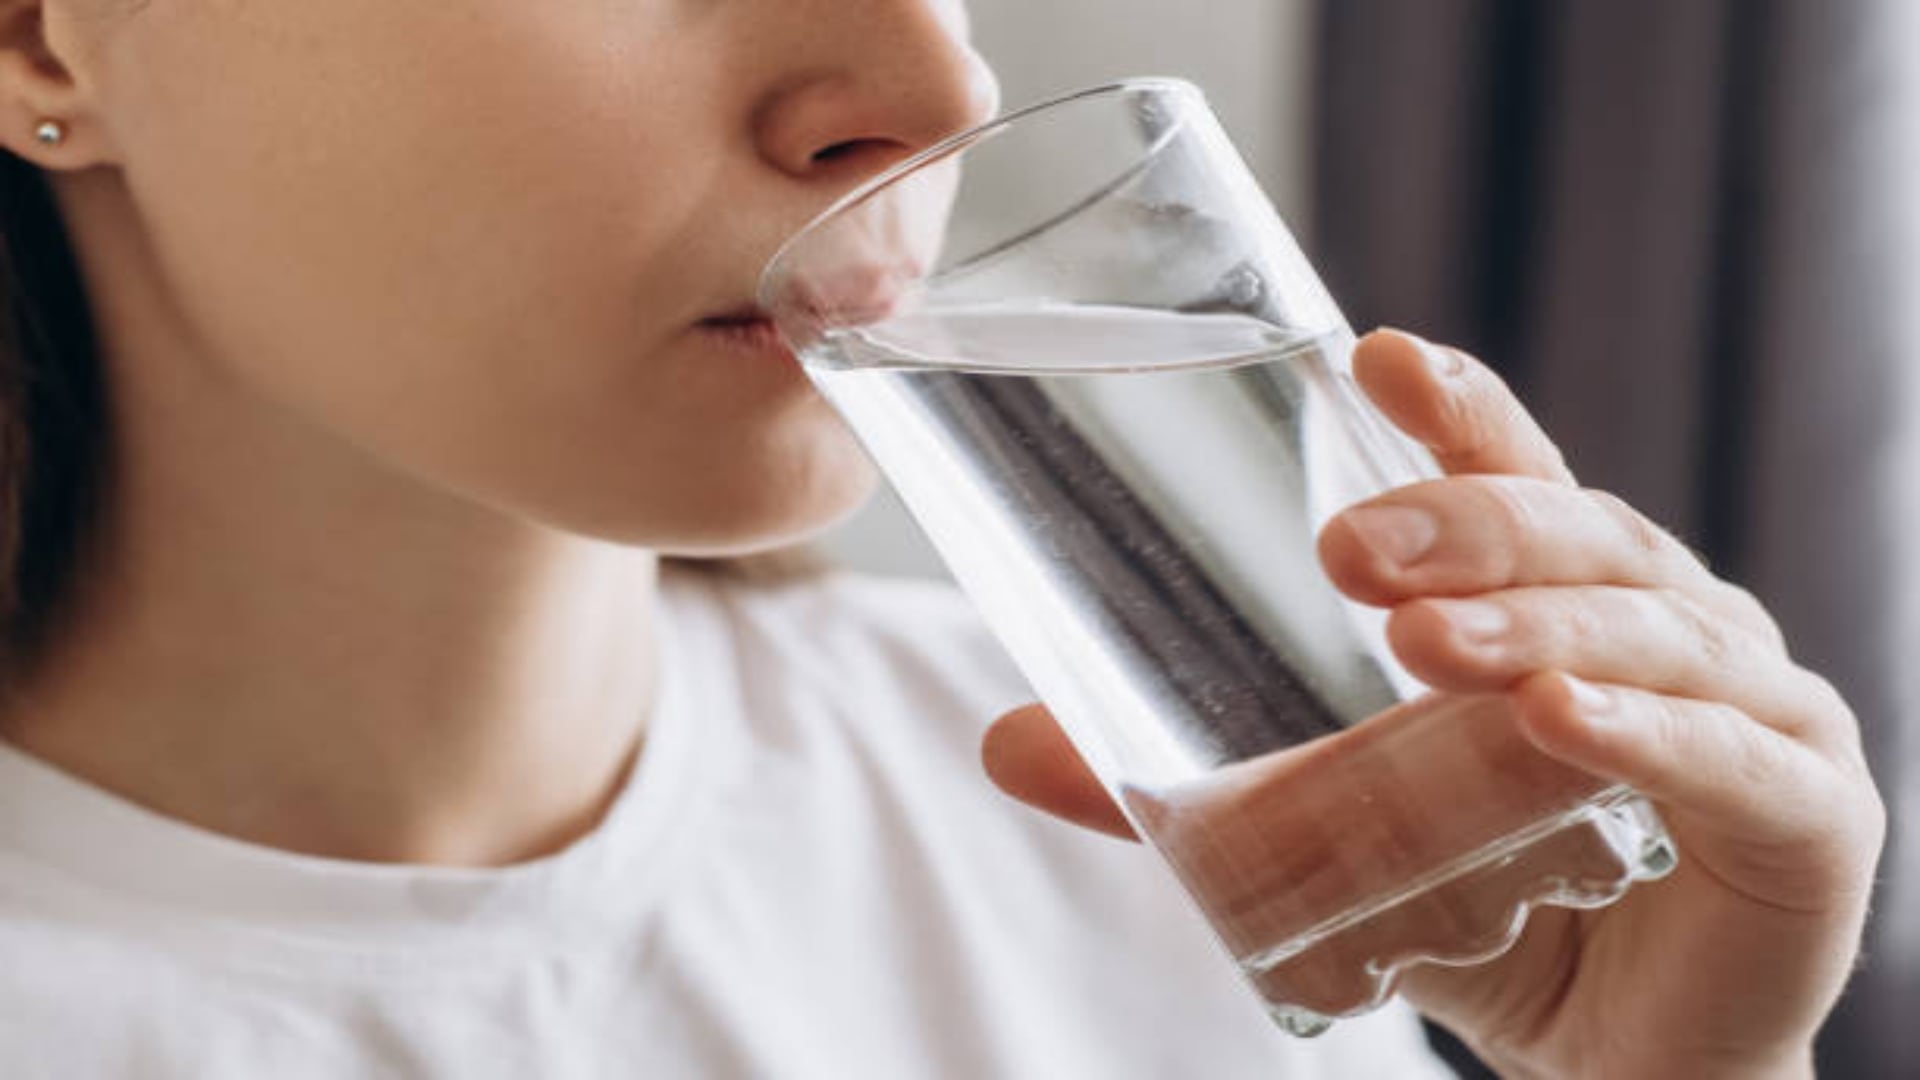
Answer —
494 243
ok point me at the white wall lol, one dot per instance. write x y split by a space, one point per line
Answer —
1248 55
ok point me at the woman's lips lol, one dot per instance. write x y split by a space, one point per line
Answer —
860 294
747 331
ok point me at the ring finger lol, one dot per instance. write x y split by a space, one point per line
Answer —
1659 640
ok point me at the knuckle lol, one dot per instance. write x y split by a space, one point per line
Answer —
1475 414
1853 821
1512 508
1828 713
1643 624
1827 698
1705 738
1748 754
1665 730
1753 615
1874 818
1647 541
1711 642
1573 623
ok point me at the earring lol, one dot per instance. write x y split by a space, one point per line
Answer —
50 133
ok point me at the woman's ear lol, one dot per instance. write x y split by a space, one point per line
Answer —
47 109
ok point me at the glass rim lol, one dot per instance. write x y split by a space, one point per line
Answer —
958 143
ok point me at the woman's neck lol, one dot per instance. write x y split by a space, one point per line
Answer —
355 695
291 647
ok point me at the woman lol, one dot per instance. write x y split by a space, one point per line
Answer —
356 728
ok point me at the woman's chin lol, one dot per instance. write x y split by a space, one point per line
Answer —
733 516
751 539
785 522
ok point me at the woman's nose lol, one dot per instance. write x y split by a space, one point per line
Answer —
877 80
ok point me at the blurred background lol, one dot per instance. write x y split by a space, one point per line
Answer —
1687 231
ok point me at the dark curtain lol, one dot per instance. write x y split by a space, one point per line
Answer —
1685 229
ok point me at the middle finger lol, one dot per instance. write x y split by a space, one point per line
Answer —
1474 534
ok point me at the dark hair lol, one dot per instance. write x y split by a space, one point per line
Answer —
53 420
55 432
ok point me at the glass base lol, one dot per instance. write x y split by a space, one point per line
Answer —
1467 912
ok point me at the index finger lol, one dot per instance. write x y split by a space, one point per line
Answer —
1456 407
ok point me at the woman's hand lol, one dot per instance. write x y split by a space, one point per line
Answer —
1624 657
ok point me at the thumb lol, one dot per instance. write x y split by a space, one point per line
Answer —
1028 757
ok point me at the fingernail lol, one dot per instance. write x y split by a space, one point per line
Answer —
1478 621
1397 535
1590 699
1445 363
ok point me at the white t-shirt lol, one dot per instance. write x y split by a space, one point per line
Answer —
808 876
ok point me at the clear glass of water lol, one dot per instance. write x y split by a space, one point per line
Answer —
1083 347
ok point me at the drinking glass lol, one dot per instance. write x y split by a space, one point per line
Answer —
1085 350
